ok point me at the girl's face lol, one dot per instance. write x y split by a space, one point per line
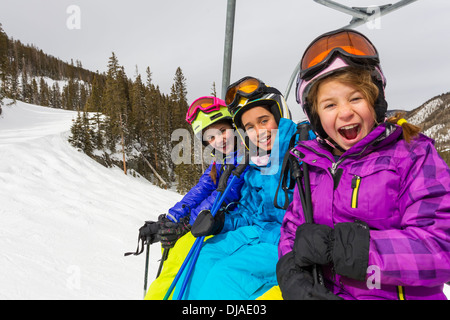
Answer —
345 114
258 122
220 136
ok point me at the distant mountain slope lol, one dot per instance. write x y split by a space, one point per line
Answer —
434 118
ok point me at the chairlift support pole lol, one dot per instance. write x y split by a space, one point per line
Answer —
361 15
228 49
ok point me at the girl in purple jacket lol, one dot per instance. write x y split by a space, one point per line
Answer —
378 190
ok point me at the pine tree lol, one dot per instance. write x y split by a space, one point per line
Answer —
86 136
44 93
3 64
213 89
76 132
81 134
34 92
114 101
94 101
138 110
55 96
187 173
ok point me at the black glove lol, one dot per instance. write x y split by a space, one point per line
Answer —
297 283
346 246
148 233
169 232
205 224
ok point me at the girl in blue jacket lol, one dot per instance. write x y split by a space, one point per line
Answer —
212 124
239 261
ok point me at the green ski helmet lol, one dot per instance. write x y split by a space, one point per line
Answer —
205 111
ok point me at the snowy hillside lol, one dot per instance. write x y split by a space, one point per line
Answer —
65 220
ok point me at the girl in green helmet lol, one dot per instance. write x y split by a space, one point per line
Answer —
211 123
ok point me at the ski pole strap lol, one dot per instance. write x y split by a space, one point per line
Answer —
290 165
282 182
138 251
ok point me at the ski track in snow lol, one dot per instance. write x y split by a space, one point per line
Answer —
65 220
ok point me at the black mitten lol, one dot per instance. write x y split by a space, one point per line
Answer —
346 246
313 244
169 231
148 233
205 224
297 283
351 249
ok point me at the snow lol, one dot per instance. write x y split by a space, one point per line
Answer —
65 220
427 110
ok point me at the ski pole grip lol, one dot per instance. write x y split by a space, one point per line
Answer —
224 178
239 170
295 168
241 167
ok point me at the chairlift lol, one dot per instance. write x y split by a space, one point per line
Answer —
360 15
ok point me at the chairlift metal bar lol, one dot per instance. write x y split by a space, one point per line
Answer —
360 16
228 48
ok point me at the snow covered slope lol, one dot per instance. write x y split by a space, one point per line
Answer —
65 220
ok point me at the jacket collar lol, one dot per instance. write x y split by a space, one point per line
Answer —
382 135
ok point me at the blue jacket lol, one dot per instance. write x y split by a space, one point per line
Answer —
257 195
240 262
202 195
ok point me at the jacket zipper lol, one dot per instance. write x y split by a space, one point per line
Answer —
356 182
401 292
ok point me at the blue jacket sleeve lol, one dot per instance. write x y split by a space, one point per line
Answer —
201 191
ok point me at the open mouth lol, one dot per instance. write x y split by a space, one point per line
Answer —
350 132
264 140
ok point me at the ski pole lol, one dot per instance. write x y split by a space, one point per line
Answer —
200 242
180 271
222 183
237 173
185 262
163 258
306 204
147 257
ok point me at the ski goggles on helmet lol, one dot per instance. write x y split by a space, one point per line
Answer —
348 43
205 104
246 87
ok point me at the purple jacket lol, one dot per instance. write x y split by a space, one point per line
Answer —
402 191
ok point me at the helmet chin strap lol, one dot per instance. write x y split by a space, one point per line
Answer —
330 142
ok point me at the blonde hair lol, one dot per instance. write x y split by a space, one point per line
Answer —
362 80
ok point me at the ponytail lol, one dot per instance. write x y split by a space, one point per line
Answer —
410 131
213 173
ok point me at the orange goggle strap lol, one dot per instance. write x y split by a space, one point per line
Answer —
348 42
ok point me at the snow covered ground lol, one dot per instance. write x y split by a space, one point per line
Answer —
65 220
